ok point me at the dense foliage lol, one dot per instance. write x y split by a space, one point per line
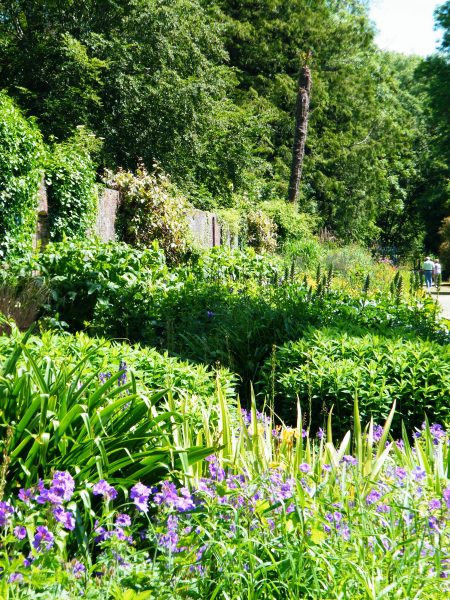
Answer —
72 190
151 210
208 91
227 307
128 468
21 163
328 369
277 514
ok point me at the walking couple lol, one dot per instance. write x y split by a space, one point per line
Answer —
432 270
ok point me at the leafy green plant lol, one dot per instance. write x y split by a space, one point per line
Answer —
72 188
151 370
21 165
94 424
105 284
151 210
290 223
261 232
330 368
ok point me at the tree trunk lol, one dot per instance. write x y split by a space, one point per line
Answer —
301 130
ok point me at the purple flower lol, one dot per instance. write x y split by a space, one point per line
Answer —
63 485
305 468
344 531
200 552
65 517
26 494
29 560
123 520
320 433
399 443
101 532
15 578
61 489
20 532
6 510
185 501
438 432
400 473
169 496
123 376
434 504
103 377
377 433
140 494
446 496
170 540
210 314
120 534
373 497
246 416
43 540
215 470
102 488
349 460
78 569
418 474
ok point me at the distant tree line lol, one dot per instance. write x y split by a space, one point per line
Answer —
207 89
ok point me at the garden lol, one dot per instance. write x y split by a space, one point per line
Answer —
226 427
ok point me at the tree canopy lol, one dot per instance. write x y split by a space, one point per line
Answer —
208 90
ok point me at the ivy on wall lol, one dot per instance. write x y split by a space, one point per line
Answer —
72 188
21 162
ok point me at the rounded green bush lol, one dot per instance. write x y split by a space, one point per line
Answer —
329 368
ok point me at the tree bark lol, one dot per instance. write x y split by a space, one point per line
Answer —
301 131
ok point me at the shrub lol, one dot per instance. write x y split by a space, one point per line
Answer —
290 223
75 403
151 210
106 284
352 260
225 264
330 368
261 232
21 163
306 253
72 191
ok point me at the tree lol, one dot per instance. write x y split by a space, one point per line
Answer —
300 132
434 76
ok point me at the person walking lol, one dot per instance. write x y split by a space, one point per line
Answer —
428 269
437 271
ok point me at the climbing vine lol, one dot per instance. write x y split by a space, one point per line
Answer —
72 188
21 162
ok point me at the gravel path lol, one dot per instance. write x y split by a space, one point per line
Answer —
444 299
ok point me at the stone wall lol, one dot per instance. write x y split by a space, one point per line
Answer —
204 225
108 204
204 228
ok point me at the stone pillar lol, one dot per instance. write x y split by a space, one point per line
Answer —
42 234
108 204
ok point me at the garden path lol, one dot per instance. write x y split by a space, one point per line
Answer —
444 299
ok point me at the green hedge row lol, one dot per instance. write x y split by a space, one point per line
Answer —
329 368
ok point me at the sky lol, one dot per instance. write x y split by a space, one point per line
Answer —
405 25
